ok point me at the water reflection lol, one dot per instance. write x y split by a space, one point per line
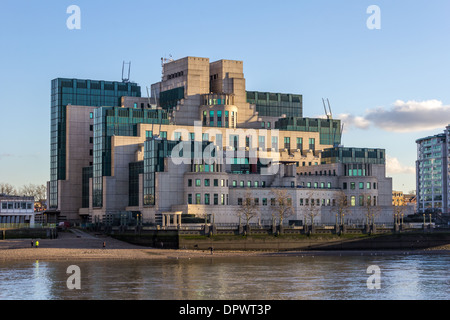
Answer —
308 277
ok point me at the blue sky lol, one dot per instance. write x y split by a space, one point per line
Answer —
390 86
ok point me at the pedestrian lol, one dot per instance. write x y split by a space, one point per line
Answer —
37 244
212 249
32 243
104 244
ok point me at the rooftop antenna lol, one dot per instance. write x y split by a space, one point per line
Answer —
342 131
149 100
126 79
163 62
329 107
328 114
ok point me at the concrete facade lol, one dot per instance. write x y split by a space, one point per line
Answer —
206 101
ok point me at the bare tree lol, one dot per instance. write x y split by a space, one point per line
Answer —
341 208
399 211
282 207
39 192
312 209
6 188
371 209
248 210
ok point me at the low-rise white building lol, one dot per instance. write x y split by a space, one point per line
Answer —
16 209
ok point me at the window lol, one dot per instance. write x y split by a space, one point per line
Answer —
241 184
272 201
211 118
234 141
368 185
148 134
234 183
163 134
190 198
264 201
300 143
91 127
189 182
322 185
301 201
91 115
239 201
374 185
287 143
312 144
256 184
249 184
275 143
262 142
216 199
329 185
344 186
207 198
219 118
219 140
222 183
198 198
198 182
91 139
352 186
361 185
192 136
91 152
361 200
207 183
353 201
216 182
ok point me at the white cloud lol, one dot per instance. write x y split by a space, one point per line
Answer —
393 166
351 121
411 116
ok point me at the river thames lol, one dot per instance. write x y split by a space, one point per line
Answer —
308 277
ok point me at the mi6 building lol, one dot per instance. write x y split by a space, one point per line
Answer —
202 145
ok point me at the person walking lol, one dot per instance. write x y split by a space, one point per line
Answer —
37 244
